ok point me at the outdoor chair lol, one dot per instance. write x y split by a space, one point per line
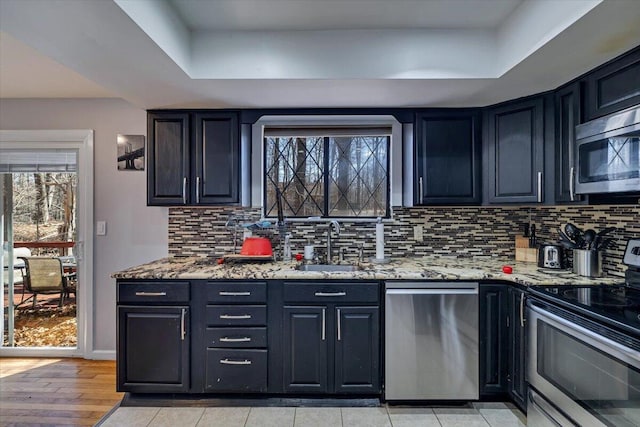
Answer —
45 275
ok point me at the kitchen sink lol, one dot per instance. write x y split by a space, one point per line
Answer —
328 267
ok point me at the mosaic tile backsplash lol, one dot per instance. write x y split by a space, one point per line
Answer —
452 231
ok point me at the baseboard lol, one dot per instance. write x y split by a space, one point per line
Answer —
101 355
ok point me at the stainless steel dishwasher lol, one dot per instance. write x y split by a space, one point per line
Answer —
431 341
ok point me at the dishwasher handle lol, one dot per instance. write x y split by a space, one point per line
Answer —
433 291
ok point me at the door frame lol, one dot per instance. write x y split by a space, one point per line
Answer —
81 140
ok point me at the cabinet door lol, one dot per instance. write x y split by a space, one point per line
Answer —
357 350
567 111
153 349
168 159
493 339
613 87
517 352
516 152
217 151
447 158
305 349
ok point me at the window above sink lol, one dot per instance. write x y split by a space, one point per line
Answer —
338 167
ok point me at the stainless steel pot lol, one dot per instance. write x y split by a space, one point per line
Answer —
587 262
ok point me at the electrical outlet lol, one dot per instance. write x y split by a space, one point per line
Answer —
101 228
418 233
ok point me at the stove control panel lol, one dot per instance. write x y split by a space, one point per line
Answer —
632 253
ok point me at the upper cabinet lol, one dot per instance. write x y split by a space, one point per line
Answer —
448 150
567 102
613 87
515 152
193 158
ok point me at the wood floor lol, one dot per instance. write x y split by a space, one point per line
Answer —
38 392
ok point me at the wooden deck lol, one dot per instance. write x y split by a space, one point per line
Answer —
70 392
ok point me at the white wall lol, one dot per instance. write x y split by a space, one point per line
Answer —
135 233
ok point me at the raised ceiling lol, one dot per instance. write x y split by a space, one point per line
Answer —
306 53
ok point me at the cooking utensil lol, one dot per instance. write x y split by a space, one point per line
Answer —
565 241
571 231
589 237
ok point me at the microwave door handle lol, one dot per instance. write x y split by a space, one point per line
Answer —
572 184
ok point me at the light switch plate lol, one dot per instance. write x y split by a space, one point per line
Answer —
101 228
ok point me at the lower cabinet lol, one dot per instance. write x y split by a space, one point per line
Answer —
357 350
331 347
517 350
503 342
153 349
235 336
494 313
305 349
236 370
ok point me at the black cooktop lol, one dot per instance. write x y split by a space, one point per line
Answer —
617 305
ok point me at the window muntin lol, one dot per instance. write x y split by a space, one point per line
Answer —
330 175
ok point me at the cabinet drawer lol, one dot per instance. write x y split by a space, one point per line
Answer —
237 292
153 292
328 292
236 337
236 315
236 370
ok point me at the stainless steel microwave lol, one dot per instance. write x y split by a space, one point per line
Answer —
608 154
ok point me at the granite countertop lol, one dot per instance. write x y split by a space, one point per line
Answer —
428 268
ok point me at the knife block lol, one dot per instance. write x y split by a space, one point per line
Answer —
523 252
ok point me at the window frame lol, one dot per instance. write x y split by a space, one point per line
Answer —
326 177
401 152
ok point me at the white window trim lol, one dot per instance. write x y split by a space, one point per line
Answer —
395 161
81 140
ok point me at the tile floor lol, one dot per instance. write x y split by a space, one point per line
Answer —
475 415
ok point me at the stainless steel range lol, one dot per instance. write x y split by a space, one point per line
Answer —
584 352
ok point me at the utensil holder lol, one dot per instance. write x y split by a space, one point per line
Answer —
587 263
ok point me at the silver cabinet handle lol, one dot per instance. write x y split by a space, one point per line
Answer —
234 294
572 184
227 339
539 187
184 190
420 190
183 330
197 189
240 316
522 310
324 324
235 362
151 294
330 294
339 325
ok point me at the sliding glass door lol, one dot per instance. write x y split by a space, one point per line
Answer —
39 235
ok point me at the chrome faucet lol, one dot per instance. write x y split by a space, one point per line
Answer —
336 226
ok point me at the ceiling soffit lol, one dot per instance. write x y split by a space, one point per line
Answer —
487 48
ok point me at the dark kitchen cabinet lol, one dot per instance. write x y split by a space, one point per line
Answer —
613 87
494 318
153 349
517 384
448 157
168 158
235 336
357 350
153 343
567 115
193 158
331 338
515 152
217 159
305 349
